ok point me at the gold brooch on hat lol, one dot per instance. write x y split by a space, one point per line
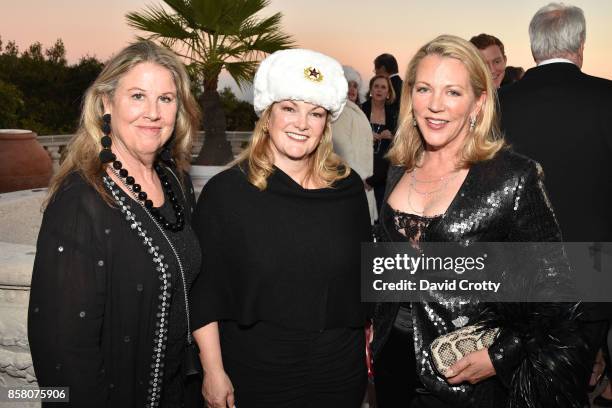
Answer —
313 74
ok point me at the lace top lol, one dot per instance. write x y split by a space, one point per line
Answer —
406 227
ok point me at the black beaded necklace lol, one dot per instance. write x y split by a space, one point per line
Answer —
107 156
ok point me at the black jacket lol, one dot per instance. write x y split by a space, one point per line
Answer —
561 117
95 301
397 84
381 165
501 200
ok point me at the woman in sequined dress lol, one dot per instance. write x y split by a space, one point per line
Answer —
453 180
116 254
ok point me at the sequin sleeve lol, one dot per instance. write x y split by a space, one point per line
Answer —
539 341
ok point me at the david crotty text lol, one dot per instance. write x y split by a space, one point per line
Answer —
463 285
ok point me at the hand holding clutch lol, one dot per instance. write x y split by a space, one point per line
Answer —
473 368
462 355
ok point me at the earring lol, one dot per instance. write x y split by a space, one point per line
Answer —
106 155
414 123
165 154
472 123
264 128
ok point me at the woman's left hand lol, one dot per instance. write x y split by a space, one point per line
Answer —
473 368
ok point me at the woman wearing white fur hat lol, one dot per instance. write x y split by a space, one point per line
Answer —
353 136
277 308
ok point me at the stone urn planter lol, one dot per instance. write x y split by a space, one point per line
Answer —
24 163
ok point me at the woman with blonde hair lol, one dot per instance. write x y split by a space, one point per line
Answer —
452 180
115 257
277 310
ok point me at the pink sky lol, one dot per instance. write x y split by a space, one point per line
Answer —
352 31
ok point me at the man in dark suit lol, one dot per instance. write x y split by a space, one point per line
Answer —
386 64
562 118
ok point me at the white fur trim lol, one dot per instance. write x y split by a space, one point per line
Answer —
351 74
283 76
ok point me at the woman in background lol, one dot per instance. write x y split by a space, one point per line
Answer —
352 136
383 120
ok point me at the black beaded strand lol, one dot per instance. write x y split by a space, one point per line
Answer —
107 156
147 203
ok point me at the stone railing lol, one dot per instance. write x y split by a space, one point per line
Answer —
55 144
20 218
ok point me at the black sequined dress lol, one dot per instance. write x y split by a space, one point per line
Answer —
501 200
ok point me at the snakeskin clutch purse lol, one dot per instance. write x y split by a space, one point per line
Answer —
449 348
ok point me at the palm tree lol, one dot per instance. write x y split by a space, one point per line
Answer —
214 35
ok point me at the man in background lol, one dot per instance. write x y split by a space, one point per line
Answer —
493 53
560 117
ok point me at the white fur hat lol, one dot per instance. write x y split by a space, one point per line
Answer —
300 75
351 74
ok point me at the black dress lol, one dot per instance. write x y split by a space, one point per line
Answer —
98 319
378 179
281 274
396 366
538 354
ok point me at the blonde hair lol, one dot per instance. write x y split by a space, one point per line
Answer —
257 159
82 151
484 141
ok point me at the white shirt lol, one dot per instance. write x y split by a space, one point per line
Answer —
555 60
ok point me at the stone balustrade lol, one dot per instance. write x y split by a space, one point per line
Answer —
20 217
55 144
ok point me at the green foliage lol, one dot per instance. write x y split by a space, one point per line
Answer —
214 35
57 53
11 104
240 115
211 36
46 91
